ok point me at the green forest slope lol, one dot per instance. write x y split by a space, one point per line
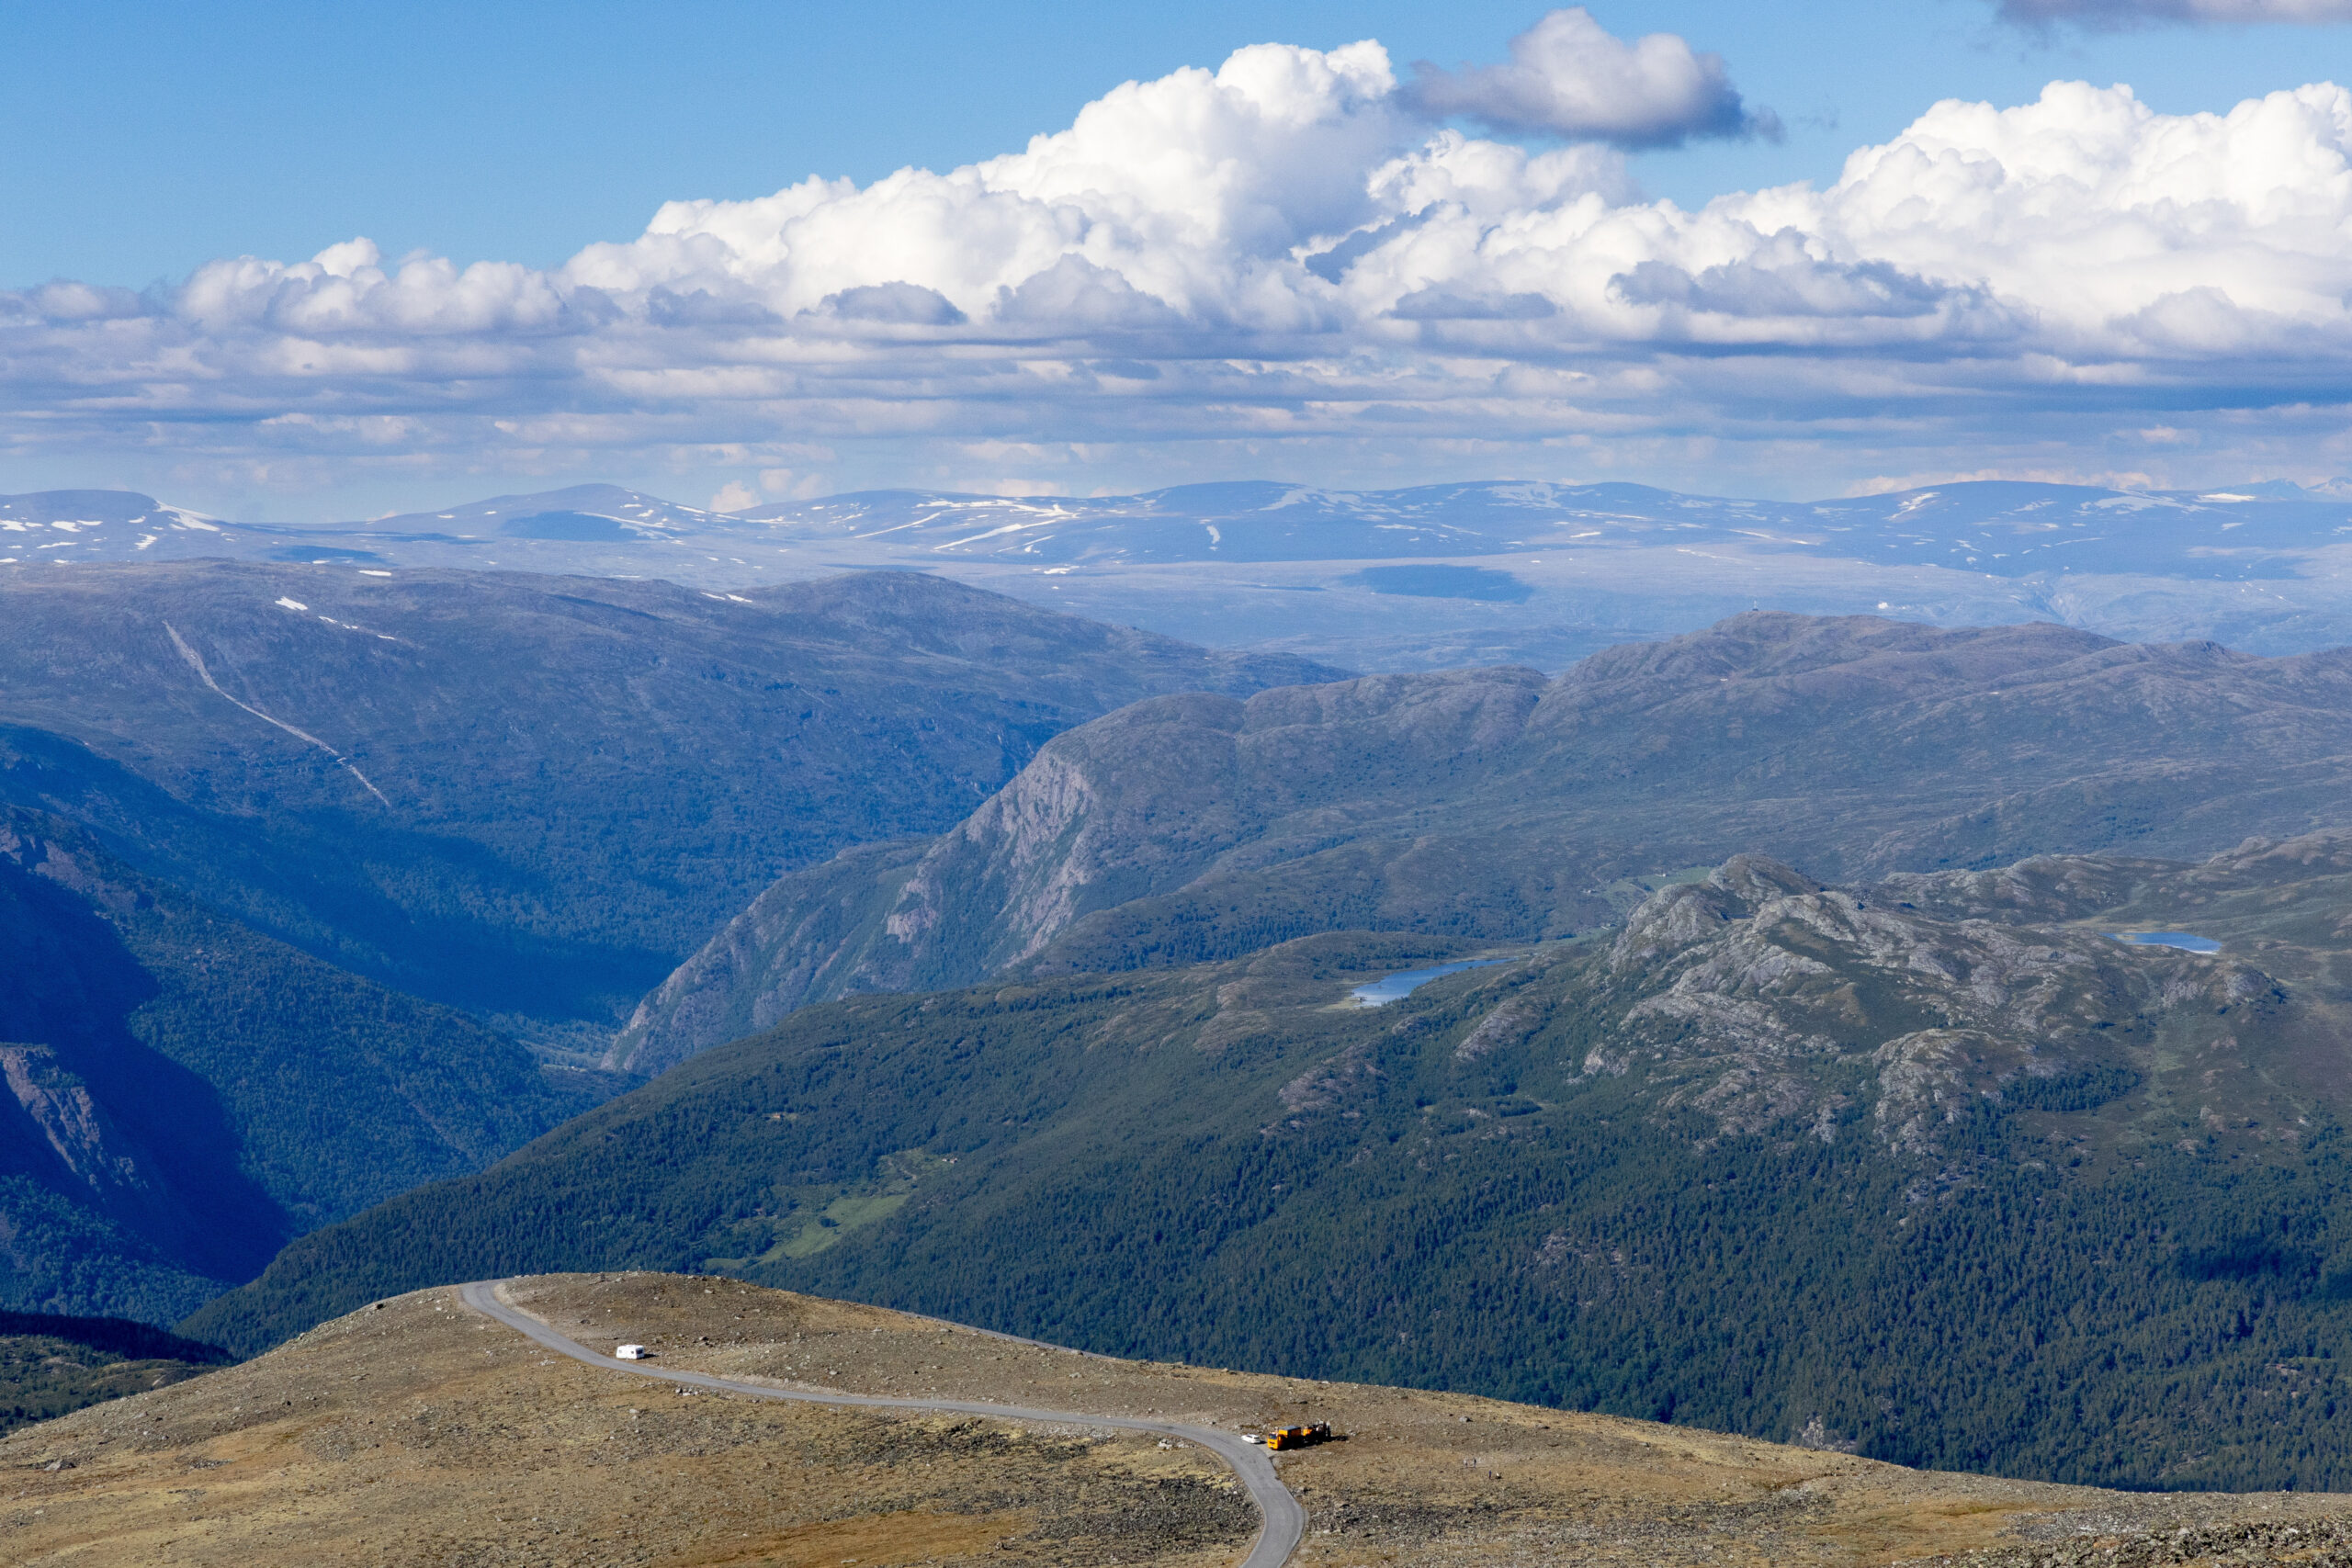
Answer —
1937 1163
51 1364
184 1094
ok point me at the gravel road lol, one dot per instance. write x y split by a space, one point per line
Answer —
1285 1518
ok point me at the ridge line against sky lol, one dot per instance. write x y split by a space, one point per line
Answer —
1318 265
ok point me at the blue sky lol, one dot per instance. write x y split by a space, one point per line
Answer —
147 139
145 142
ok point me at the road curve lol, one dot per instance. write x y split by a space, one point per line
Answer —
1286 1519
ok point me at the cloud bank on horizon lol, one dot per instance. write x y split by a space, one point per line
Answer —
2151 13
1300 264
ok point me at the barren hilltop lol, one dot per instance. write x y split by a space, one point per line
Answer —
417 1431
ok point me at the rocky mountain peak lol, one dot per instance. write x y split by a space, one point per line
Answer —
1755 880
1685 914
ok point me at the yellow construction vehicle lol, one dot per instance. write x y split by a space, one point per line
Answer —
1299 1437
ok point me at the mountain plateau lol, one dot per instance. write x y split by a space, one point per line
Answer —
416 1431
1376 580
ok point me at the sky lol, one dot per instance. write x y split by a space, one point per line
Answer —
288 261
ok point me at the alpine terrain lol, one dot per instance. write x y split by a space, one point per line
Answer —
1931 1164
1498 806
531 795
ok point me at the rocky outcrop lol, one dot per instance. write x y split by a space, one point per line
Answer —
803 939
1508 1024
88 1149
1330 1084
1680 917
1753 995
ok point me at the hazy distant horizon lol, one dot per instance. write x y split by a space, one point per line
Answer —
1696 247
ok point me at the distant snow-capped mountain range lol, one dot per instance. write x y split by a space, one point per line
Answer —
1996 529
1435 574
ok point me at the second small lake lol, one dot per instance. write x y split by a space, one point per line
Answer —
1404 982
2186 940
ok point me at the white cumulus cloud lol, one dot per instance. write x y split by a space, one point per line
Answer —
1282 265
1570 76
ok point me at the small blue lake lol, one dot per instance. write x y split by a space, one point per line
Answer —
2169 939
1404 982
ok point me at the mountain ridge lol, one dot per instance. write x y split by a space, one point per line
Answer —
1996 526
1497 804
530 795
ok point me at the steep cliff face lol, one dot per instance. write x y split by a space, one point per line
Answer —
95 1154
807 936
1497 806
1136 805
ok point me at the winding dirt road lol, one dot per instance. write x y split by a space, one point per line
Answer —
1286 1519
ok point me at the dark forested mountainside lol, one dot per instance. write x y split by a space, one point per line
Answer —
1933 1162
1496 805
531 795
51 1364
182 1095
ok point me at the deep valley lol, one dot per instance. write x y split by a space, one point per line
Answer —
1934 1162
881 940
